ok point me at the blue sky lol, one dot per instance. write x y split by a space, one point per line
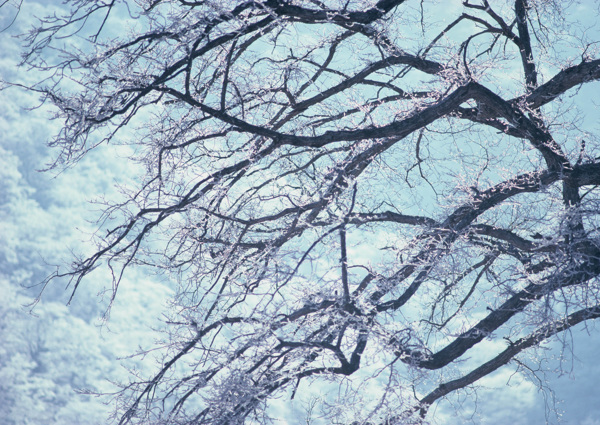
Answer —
54 349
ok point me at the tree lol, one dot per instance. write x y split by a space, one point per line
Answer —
346 191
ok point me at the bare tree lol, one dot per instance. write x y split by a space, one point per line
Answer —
346 191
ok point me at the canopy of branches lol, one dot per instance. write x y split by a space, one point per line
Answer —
349 194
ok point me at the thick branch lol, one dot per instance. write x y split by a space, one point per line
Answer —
525 44
509 353
503 313
561 83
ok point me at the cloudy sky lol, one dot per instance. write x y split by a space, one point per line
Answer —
52 356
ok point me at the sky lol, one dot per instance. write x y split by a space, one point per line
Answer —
54 356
